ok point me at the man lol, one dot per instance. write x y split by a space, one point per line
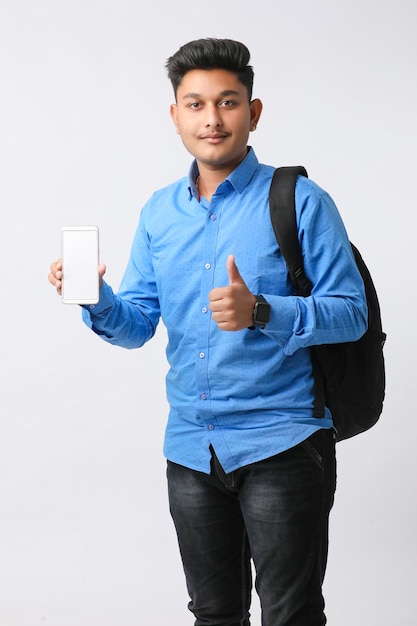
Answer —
251 472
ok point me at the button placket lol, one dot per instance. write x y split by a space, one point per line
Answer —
203 346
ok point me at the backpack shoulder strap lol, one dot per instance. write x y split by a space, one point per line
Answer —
283 218
284 223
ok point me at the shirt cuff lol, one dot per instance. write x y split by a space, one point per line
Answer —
106 301
283 318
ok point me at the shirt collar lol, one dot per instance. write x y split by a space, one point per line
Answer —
239 178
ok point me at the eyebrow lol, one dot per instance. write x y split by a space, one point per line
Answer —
222 94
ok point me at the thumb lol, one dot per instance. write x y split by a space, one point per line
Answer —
233 272
101 271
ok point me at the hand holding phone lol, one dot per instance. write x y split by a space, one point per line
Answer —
80 259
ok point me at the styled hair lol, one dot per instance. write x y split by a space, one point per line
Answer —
210 54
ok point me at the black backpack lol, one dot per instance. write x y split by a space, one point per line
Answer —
349 378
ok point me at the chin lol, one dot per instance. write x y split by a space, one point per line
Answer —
221 159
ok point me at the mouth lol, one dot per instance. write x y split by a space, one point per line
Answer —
214 137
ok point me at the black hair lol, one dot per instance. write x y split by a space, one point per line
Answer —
210 54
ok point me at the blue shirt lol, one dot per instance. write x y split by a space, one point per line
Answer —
248 393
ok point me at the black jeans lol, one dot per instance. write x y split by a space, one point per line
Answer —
274 512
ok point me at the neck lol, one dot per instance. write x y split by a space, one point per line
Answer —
210 177
208 184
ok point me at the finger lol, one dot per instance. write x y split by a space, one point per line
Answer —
217 293
56 266
101 271
232 270
216 306
56 282
55 274
221 317
52 279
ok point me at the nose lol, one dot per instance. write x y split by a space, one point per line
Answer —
213 119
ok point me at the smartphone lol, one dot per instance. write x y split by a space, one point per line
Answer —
80 258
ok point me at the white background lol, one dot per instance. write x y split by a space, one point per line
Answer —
85 137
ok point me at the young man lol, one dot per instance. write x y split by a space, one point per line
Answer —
251 472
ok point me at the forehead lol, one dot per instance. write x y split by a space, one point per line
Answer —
210 83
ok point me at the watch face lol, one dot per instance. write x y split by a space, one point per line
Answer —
262 312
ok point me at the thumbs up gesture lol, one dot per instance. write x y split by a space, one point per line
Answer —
232 306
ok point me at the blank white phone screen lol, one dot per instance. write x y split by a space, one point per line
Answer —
80 257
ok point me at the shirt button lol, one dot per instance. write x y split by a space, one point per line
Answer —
207 266
203 396
211 426
213 217
204 309
202 355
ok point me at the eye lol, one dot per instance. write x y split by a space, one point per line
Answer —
194 105
227 104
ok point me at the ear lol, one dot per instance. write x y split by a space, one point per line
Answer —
173 111
255 112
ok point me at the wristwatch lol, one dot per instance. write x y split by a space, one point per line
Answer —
261 313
